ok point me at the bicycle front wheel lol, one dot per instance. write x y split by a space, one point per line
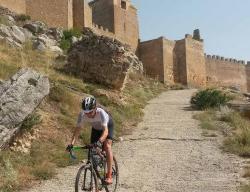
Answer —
86 179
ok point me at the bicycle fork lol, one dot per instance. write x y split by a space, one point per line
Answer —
86 182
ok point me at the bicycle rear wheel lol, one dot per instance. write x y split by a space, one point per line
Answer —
86 180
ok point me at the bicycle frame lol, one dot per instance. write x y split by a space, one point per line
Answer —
90 162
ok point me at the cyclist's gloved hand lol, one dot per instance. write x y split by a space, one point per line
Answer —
69 147
98 144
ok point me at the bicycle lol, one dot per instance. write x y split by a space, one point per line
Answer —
94 171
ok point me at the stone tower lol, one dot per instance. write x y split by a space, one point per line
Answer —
119 17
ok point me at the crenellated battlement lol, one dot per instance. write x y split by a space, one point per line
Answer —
101 28
229 60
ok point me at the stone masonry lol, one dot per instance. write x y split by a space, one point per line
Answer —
183 61
113 18
175 61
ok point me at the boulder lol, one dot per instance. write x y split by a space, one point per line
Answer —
56 49
36 27
28 35
43 42
17 34
55 33
12 43
38 45
102 60
9 19
5 31
19 96
46 40
74 39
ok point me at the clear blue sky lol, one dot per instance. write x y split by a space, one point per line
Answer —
224 24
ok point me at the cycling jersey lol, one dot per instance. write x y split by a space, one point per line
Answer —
99 121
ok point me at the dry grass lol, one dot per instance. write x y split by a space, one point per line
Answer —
238 141
245 188
207 119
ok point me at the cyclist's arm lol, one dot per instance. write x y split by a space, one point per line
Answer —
104 134
76 134
77 128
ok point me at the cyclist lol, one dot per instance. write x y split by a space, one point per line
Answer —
102 130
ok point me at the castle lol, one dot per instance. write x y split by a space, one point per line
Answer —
181 61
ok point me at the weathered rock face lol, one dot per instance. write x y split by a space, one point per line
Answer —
42 37
19 96
6 11
101 60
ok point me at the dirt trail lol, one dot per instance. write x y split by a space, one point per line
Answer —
166 153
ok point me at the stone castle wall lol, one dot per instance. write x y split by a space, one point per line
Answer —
151 55
175 61
179 61
195 63
181 68
105 16
113 17
18 6
56 13
248 76
226 72
169 60
103 13
126 26
82 14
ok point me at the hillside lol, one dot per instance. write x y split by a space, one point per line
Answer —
38 150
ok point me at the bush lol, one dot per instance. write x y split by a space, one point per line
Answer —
68 34
65 43
22 17
209 98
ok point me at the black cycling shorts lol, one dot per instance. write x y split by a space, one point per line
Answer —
96 134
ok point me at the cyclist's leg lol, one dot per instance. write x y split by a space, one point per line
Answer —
108 150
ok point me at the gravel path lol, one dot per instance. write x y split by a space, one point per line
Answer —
166 153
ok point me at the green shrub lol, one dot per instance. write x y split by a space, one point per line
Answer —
68 34
22 17
65 43
209 98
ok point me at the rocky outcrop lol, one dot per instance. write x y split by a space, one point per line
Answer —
101 60
42 37
6 11
19 96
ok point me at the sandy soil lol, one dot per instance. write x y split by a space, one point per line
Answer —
166 153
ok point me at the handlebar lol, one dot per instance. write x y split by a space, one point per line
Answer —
77 148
